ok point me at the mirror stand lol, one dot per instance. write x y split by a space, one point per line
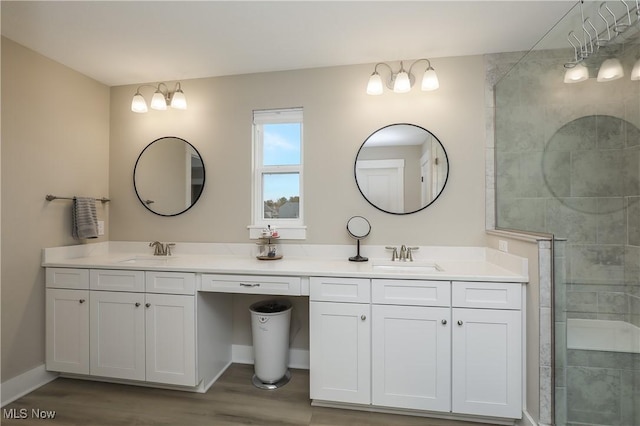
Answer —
357 257
358 227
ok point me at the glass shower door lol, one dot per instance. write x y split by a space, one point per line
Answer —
567 159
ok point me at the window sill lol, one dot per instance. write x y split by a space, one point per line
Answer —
285 232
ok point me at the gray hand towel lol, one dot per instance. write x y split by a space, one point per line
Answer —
85 220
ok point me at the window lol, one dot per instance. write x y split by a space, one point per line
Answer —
277 170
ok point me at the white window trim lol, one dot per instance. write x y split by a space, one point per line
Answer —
293 229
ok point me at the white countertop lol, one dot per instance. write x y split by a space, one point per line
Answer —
463 264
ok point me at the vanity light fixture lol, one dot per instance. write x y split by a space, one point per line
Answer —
635 71
611 69
162 98
576 74
402 81
587 46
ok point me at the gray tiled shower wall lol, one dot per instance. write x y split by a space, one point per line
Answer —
568 163
615 399
578 178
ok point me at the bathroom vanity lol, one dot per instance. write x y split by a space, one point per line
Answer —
442 337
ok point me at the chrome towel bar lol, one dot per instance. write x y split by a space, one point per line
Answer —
50 197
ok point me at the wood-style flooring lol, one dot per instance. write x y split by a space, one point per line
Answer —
232 400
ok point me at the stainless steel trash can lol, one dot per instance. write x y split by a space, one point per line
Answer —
270 322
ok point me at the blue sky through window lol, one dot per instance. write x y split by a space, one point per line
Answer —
281 144
281 148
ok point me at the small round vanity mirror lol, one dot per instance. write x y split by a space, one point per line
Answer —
358 227
169 176
401 168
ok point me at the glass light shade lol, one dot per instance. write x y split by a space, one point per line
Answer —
430 80
138 104
402 83
178 100
610 70
158 101
576 74
374 87
635 72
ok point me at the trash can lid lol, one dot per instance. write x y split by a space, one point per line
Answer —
270 306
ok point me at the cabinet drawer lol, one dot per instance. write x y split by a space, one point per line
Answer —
411 292
116 280
170 282
324 289
251 284
486 295
67 278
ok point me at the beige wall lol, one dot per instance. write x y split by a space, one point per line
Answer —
338 117
55 139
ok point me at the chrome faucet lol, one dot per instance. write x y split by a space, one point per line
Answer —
161 249
394 253
403 254
410 251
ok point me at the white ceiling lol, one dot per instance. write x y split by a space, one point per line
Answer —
128 42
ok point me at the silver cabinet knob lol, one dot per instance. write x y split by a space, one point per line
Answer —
460 322
82 300
444 322
363 317
148 305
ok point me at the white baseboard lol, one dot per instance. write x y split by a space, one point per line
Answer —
26 382
243 354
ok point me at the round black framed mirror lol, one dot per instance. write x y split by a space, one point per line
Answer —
169 176
401 168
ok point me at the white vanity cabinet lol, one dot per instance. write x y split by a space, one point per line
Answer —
340 338
487 349
170 339
127 333
436 346
117 335
411 344
67 336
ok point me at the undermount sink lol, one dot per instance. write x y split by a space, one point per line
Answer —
415 266
146 260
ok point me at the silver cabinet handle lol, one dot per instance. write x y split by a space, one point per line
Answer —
82 300
148 305
444 322
460 322
250 284
137 304
363 317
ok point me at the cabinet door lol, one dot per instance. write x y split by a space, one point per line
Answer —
487 362
67 336
170 339
339 350
411 357
117 335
